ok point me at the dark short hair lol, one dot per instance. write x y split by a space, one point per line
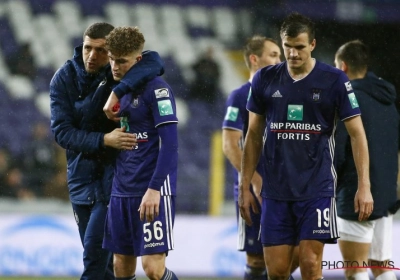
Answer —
295 23
124 40
255 45
356 55
98 30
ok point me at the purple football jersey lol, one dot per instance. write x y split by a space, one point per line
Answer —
141 113
301 121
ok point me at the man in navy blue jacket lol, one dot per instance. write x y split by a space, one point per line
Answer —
368 242
78 92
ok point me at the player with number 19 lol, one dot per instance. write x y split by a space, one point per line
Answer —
294 109
142 207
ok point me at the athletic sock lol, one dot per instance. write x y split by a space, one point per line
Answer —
388 275
255 273
169 275
126 278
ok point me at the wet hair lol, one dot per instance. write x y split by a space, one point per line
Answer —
295 24
98 30
125 40
356 55
255 45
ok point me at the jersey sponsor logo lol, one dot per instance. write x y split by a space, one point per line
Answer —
316 94
294 131
321 231
277 94
153 244
124 122
353 100
295 112
232 114
165 108
348 86
161 92
141 136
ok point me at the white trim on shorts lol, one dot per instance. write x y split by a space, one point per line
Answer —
377 232
241 240
168 221
333 223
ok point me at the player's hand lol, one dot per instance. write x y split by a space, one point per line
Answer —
111 108
363 203
119 139
246 201
150 206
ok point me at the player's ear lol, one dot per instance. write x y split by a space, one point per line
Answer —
313 44
139 58
344 67
253 59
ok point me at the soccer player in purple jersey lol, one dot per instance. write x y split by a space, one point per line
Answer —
258 52
141 212
298 103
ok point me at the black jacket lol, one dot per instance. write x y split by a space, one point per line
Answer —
380 117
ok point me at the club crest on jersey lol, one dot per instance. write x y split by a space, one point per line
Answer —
161 92
316 94
295 112
135 102
348 86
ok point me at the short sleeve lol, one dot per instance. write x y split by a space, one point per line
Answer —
163 105
255 102
233 107
347 102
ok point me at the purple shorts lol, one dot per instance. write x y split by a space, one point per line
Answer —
289 222
249 236
126 234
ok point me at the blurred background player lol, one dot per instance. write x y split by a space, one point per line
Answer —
141 213
78 91
368 241
258 52
300 100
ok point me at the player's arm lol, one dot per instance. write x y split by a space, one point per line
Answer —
251 156
363 201
231 148
167 161
149 67
66 129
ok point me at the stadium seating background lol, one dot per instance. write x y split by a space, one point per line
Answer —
180 31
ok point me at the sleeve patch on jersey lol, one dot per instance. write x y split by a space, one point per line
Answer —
232 114
165 108
348 86
353 100
161 92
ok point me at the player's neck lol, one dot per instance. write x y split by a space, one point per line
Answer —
300 73
356 76
251 75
